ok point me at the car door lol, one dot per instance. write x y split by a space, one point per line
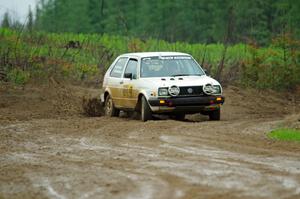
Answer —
129 90
115 84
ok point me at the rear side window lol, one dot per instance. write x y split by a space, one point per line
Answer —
132 68
119 67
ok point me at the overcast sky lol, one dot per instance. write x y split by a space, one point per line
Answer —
18 9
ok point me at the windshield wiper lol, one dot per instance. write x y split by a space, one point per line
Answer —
186 75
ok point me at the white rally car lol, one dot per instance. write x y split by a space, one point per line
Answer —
160 83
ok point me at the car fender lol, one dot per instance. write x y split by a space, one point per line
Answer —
102 96
147 96
144 93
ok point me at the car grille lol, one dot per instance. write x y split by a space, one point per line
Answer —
191 91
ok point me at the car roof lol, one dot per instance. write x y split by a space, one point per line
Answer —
154 54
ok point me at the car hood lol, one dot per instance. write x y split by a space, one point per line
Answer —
180 81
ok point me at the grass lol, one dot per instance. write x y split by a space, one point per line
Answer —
285 134
26 56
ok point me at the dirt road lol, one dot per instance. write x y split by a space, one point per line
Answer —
51 151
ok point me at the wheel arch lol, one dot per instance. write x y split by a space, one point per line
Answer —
107 93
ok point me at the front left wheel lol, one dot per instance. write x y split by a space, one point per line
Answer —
179 116
215 115
109 109
146 113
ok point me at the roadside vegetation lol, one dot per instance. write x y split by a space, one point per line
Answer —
285 134
245 43
39 56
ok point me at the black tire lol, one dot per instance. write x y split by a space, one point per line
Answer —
215 115
146 113
109 109
179 116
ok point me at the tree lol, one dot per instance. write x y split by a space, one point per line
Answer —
96 15
203 21
30 22
6 22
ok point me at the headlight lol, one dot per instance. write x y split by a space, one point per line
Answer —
174 90
217 89
162 91
210 89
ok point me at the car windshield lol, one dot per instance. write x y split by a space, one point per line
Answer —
170 66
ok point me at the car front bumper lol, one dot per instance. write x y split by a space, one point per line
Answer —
186 104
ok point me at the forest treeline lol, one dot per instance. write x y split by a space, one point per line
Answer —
254 43
197 21
193 21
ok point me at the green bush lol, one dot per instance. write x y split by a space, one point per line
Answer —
275 67
83 71
19 77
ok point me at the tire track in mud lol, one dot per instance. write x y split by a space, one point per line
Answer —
120 158
146 184
142 185
222 169
252 174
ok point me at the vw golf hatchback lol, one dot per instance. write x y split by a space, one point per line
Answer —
160 83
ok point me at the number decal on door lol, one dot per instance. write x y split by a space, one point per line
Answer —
128 91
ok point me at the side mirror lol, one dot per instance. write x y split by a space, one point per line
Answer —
206 72
128 75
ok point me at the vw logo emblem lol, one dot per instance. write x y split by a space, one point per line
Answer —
190 90
174 90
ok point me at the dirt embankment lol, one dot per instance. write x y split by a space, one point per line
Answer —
41 102
50 149
58 100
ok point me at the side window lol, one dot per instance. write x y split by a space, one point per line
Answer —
118 68
132 68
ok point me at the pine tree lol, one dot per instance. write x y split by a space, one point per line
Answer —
30 22
204 21
37 22
6 22
96 15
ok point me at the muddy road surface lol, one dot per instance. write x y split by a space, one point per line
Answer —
50 150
